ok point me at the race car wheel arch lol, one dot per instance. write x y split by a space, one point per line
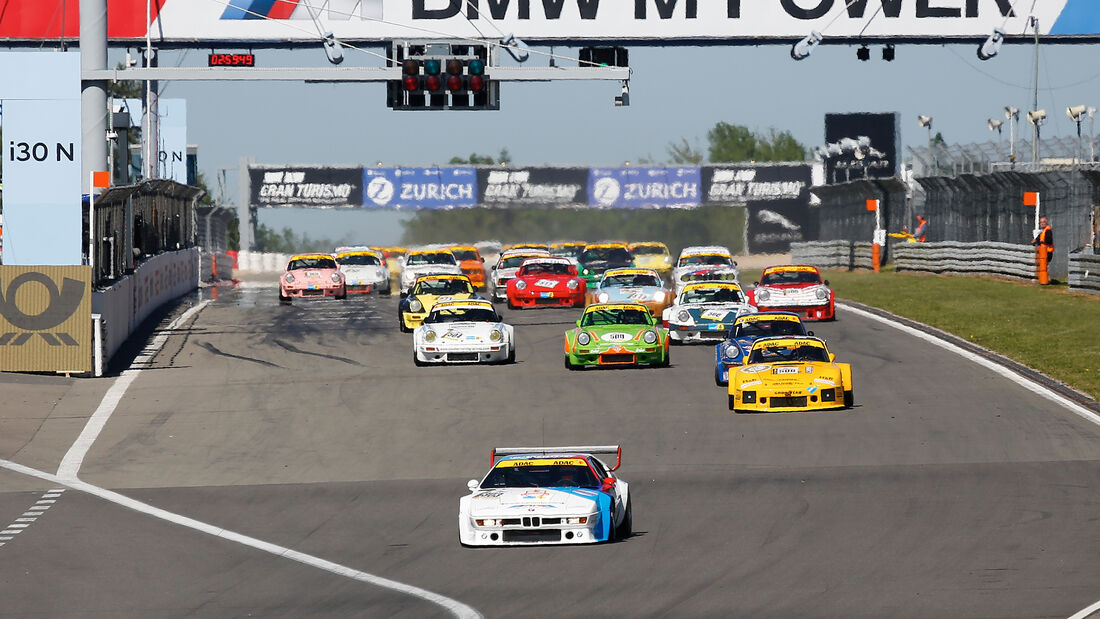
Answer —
626 529
416 360
849 399
401 323
718 378
846 376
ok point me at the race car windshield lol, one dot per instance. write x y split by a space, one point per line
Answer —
432 258
360 260
715 260
779 354
546 268
462 314
443 286
464 254
764 328
603 317
311 263
616 255
712 295
543 476
790 277
512 262
649 250
629 280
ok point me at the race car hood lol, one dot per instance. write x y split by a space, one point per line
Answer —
791 293
545 282
365 270
428 300
525 501
710 312
509 273
412 272
629 293
461 332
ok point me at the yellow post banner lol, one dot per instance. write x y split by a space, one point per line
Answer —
46 319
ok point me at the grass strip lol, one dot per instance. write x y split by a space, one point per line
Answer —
1046 328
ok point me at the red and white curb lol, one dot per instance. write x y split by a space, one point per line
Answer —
29 517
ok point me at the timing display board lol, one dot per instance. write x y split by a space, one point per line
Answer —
203 22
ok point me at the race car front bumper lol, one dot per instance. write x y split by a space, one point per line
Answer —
648 355
530 530
311 291
699 333
413 320
805 312
787 400
497 353
546 299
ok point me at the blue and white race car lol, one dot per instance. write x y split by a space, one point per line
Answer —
546 495
705 311
747 329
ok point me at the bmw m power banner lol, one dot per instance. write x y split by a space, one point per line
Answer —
420 188
534 187
306 187
213 21
45 319
667 187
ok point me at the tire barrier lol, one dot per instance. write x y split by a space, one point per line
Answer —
1084 271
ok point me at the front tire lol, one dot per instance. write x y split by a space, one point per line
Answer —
401 324
569 365
627 528
417 362
849 399
511 356
718 378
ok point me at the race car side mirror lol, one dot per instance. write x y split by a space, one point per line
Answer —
472 485
483 259
826 282
608 484
578 323
832 356
810 333
756 283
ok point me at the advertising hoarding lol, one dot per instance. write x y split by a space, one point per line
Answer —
420 188
533 187
557 20
879 160
675 187
308 187
45 318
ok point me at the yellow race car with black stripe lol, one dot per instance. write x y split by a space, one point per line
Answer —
426 292
785 374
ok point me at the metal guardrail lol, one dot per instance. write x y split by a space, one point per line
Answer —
956 258
1084 272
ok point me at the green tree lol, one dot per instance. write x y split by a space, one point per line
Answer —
779 146
684 152
731 143
476 159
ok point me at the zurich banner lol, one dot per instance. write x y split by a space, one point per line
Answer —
666 187
420 188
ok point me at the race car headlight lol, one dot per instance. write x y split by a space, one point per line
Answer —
488 522
520 284
821 294
577 520
732 350
650 337
748 397
763 295
659 296
585 272
668 260
573 284
496 336
603 297
429 336
415 306
289 278
683 316
336 278
584 339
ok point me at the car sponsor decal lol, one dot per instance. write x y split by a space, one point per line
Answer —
811 389
790 269
638 295
809 369
760 317
787 370
825 382
542 462
714 314
616 336
452 335
536 494
547 283
753 369
492 494
751 383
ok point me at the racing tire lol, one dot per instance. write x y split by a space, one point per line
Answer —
284 300
664 363
401 324
511 306
626 529
417 362
569 365
341 297
511 356
733 406
385 292
612 531
849 399
718 379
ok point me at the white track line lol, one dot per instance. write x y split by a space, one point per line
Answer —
997 368
70 464
458 609
74 458
1023 381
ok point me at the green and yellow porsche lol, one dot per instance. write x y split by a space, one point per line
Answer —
616 334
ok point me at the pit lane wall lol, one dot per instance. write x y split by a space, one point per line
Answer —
123 306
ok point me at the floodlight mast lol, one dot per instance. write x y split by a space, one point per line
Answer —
1012 114
926 121
1077 113
996 125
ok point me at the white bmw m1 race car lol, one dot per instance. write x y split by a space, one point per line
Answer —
546 495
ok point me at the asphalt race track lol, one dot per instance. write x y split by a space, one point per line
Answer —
948 491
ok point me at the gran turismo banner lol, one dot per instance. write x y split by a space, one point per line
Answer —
307 187
533 187
212 21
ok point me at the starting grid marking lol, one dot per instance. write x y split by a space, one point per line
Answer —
29 517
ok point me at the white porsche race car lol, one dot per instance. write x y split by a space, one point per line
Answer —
705 311
546 495
463 331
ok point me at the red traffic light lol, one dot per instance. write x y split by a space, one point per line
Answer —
432 82
477 83
411 83
454 82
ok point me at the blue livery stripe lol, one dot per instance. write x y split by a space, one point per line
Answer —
1078 17
247 9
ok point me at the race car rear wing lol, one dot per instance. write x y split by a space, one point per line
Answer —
589 449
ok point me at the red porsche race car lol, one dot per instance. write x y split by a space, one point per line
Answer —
546 281
794 288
